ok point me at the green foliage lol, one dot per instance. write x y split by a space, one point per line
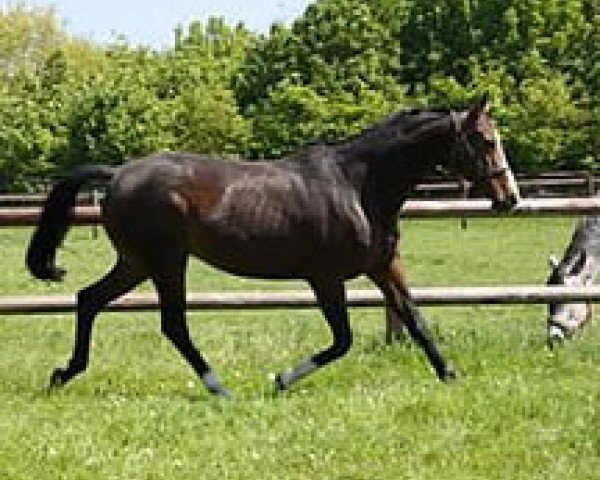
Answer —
330 75
26 37
339 67
309 117
31 130
533 56
546 116
110 122
78 103
207 121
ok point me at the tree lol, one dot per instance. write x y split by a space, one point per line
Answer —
341 66
296 115
26 37
206 120
328 76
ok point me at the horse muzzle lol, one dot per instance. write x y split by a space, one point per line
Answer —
505 205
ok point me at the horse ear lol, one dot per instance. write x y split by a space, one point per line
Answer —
481 106
484 102
580 264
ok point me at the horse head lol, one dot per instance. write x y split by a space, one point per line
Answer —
564 318
479 156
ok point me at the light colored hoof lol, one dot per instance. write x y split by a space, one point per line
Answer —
213 385
556 336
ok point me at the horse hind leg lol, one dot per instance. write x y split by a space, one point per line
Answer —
170 286
120 280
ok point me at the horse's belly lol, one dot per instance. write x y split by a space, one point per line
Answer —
277 257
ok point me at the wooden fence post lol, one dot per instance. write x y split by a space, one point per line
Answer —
464 188
591 184
96 204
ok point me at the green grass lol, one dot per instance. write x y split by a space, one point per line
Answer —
517 412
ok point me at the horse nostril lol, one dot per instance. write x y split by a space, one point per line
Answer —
510 202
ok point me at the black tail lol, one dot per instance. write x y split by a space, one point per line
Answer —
54 221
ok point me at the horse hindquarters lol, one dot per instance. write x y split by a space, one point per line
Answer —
150 229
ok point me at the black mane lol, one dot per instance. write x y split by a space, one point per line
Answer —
405 120
402 122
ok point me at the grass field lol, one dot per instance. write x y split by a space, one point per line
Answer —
517 411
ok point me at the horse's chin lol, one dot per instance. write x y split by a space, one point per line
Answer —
504 206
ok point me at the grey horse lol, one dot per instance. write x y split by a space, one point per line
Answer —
578 267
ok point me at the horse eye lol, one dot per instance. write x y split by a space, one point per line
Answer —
491 144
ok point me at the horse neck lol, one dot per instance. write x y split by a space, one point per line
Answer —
386 166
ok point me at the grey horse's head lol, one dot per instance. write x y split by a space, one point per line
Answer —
564 318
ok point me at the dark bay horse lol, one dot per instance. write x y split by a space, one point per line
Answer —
325 214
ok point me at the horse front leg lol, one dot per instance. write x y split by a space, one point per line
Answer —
331 297
395 329
392 283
